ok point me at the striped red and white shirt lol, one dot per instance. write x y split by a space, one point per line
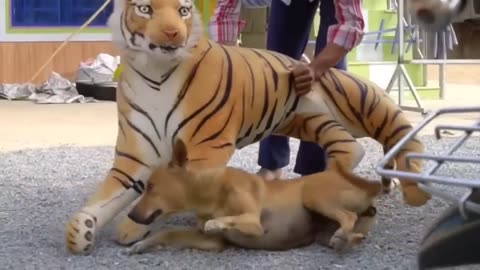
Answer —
226 25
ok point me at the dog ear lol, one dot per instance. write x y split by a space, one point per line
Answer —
180 154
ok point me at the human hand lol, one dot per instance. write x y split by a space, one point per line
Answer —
303 78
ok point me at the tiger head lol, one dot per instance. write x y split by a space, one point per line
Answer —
165 29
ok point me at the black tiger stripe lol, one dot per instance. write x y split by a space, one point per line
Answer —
290 88
167 75
144 135
144 113
332 153
272 114
258 137
247 134
363 88
138 186
222 145
395 132
356 114
274 72
379 129
330 95
265 101
220 131
395 115
321 128
252 78
227 89
125 185
274 55
185 88
126 155
243 108
308 119
330 143
199 110
374 104
122 130
155 86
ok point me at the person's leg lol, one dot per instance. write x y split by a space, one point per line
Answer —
311 157
288 31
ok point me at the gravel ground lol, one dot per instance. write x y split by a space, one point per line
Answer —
40 189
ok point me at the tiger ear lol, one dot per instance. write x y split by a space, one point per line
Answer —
180 154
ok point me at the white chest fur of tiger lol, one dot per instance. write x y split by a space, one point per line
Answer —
177 84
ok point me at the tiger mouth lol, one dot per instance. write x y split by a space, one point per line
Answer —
163 48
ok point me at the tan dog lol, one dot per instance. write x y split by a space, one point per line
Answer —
246 211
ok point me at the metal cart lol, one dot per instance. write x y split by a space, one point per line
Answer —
454 239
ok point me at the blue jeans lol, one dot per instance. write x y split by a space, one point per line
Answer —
288 33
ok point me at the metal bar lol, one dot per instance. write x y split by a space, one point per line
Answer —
430 61
412 87
397 147
467 129
468 204
392 80
441 158
441 69
444 61
450 151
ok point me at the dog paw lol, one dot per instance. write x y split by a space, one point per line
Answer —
129 232
214 226
137 248
339 241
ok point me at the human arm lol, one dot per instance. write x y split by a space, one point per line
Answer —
342 37
225 24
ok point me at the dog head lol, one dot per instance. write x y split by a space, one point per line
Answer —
165 192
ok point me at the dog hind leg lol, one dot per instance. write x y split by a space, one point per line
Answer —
247 223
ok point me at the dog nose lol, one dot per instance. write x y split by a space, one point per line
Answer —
170 33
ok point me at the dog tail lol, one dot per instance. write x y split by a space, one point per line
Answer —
372 188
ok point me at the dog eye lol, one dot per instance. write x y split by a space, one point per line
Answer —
149 187
145 9
184 11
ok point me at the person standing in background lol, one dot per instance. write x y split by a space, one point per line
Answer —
341 30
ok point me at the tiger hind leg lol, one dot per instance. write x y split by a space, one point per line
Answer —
412 194
338 144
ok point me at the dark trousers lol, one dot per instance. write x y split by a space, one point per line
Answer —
288 33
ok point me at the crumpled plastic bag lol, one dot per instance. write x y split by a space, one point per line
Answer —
99 70
55 90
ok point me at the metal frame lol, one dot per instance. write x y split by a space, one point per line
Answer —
427 178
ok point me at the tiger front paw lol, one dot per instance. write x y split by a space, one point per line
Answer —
80 234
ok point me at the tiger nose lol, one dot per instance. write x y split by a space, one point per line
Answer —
170 33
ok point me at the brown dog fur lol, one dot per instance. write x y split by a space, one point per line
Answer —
246 211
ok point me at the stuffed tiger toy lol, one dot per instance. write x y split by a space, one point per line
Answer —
176 83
